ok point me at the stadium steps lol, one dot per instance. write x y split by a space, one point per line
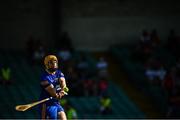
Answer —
131 110
21 91
136 74
88 107
120 78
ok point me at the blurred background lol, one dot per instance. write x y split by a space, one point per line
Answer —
120 57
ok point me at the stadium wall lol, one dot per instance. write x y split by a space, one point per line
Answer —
98 33
92 24
22 18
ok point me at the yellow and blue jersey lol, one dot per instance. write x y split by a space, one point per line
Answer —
51 107
52 79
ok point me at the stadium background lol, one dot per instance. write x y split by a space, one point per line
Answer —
96 28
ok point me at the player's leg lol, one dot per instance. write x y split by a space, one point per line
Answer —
52 112
42 111
55 112
62 115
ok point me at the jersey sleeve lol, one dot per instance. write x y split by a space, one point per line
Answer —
45 81
60 74
44 77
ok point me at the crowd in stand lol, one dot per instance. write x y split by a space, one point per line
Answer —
155 69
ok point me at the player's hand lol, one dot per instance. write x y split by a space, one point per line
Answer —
61 93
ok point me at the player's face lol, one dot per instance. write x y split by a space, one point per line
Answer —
53 64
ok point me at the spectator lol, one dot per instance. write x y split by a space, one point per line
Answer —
6 75
89 86
155 71
83 67
102 86
64 54
102 68
71 111
105 105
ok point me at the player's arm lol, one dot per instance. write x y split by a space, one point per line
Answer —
50 89
63 86
62 83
